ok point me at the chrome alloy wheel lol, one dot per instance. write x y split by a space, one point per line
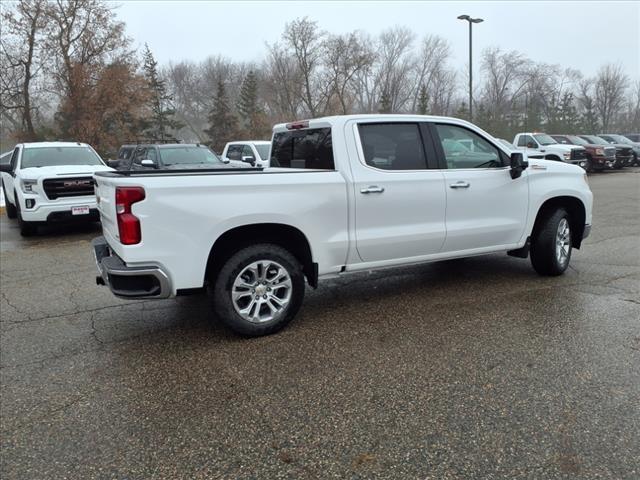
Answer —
262 291
563 242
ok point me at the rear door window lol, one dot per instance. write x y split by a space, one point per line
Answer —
392 146
310 149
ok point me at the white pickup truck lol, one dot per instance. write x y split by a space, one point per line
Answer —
253 152
352 193
533 143
51 182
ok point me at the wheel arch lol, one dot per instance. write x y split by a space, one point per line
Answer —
553 157
286 236
577 215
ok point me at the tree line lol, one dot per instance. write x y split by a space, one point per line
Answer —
69 72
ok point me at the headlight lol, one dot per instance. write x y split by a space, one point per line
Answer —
567 155
27 185
600 151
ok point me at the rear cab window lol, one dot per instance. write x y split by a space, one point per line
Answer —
310 148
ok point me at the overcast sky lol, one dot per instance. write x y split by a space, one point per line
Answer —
577 34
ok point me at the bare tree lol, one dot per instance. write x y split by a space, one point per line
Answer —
610 86
586 99
505 77
283 83
85 36
394 67
19 50
345 56
305 41
431 71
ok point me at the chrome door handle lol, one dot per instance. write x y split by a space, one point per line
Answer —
372 189
460 184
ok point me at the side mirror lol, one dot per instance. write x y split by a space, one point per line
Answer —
5 167
249 159
225 160
531 145
148 163
518 165
113 163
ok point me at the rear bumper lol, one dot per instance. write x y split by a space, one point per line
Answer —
128 282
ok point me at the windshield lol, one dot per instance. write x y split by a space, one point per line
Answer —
188 156
595 140
618 139
544 139
263 151
54 156
577 140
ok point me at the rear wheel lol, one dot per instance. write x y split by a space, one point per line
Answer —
551 243
27 229
10 208
259 290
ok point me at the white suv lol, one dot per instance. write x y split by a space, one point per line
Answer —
51 182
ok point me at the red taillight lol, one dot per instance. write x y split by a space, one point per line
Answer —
128 223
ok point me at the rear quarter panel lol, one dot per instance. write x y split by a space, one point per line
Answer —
182 216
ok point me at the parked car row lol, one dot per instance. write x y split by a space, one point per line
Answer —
591 152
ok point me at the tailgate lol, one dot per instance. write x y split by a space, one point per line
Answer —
106 199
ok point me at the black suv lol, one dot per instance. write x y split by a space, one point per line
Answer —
167 156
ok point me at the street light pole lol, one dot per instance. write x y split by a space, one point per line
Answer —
471 22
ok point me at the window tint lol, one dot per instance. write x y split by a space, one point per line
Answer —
234 152
14 159
466 149
188 155
152 155
247 152
263 151
311 148
524 140
392 146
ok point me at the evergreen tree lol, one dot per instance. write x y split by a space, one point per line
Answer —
385 102
223 124
248 99
162 115
568 113
423 100
253 119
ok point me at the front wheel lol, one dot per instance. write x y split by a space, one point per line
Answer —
27 229
259 290
551 244
10 208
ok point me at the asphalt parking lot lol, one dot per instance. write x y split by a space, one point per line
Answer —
476 368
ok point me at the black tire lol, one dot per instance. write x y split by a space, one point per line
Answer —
544 257
27 229
223 283
9 207
589 166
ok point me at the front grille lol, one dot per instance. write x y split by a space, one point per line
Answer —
68 187
578 154
623 151
610 152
